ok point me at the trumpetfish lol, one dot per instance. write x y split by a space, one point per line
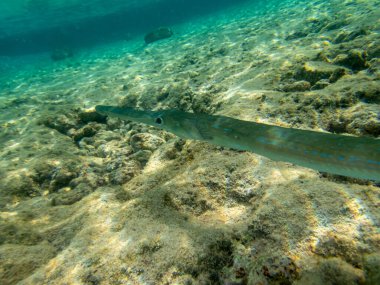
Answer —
357 157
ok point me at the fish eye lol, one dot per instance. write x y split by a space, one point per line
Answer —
158 120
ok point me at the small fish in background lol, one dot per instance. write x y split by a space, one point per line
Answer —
61 54
158 34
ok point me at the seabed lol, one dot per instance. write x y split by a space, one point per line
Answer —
90 200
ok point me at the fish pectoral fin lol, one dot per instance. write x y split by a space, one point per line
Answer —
204 132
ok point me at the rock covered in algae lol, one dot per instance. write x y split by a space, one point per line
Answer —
313 71
355 59
158 34
145 141
302 85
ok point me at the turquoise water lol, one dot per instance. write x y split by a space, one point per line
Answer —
38 25
32 30
88 199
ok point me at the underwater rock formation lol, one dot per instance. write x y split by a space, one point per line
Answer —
302 85
158 34
314 71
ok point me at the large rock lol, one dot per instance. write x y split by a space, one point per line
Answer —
145 141
314 71
355 59
158 34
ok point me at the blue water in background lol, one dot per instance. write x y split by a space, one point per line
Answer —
37 30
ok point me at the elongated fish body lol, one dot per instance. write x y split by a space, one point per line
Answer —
357 157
